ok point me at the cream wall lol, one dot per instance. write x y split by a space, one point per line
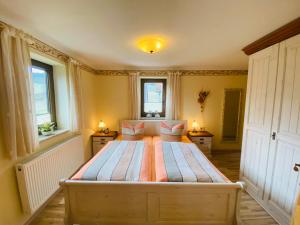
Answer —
10 207
10 204
112 99
211 118
89 109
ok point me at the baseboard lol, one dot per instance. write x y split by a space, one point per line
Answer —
220 151
37 212
262 204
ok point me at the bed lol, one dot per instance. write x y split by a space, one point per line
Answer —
119 161
152 199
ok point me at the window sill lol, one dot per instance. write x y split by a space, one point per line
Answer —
56 133
153 118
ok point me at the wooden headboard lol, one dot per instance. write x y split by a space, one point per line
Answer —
152 127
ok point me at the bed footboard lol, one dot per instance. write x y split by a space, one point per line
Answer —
150 203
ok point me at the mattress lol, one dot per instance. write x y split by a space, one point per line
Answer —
184 162
119 161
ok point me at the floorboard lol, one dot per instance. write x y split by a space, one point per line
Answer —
227 163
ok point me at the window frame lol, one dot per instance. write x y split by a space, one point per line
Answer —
154 80
50 86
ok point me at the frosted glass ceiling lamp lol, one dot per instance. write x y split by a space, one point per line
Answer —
151 45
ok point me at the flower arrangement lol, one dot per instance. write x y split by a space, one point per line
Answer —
202 97
47 129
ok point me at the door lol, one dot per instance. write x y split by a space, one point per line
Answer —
258 119
282 181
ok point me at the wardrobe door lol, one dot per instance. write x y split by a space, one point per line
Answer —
258 119
282 180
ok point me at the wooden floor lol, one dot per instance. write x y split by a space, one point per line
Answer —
251 212
227 163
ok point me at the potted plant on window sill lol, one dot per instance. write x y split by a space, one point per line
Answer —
47 129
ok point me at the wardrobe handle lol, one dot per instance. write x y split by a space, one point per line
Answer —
273 135
296 167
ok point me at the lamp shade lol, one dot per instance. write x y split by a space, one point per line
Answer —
195 125
151 44
101 125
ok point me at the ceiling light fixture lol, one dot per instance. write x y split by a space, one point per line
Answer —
151 44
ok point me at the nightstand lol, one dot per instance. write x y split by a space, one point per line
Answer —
202 139
101 139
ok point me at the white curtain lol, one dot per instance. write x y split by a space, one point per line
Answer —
75 110
134 101
18 120
173 95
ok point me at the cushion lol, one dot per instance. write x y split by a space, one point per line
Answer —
133 132
171 132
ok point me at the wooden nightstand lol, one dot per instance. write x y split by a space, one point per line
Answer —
202 139
101 139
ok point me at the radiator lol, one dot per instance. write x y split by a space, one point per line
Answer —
38 179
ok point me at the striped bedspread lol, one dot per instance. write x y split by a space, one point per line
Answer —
184 162
118 161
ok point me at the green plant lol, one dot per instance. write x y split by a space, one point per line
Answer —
46 127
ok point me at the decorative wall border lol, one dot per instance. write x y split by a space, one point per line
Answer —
214 72
53 52
47 49
166 72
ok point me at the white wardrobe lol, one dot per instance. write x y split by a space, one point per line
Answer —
271 139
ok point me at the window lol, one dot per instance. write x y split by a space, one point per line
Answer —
153 97
42 77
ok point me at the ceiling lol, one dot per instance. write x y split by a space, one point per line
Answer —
201 34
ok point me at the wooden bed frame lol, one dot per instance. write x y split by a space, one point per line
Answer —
151 203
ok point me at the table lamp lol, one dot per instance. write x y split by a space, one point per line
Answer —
101 126
195 126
